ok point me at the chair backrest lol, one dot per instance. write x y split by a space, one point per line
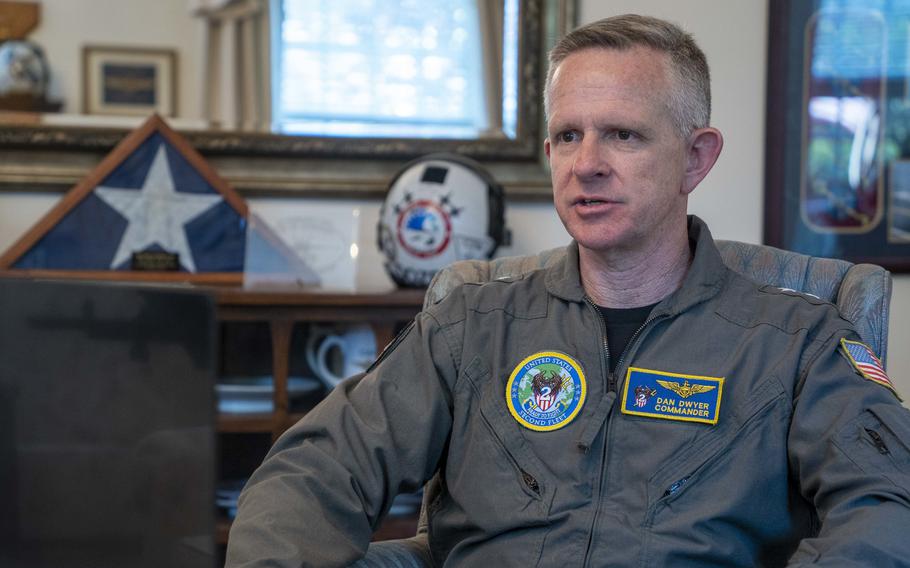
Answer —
862 292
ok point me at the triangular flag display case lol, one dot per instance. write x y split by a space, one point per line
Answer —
152 195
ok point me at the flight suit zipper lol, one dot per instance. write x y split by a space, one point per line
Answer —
635 335
605 355
605 352
878 441
676 486
605 361
612 386
527 479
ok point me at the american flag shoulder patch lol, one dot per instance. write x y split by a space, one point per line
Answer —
867 364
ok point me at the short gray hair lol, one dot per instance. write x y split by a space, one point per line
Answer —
690 93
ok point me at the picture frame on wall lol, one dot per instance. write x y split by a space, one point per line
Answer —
129 81
837 155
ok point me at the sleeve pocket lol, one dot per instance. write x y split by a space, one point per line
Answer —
878 441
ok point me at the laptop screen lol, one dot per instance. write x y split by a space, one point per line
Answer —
107 451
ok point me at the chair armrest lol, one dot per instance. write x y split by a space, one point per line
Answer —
411 552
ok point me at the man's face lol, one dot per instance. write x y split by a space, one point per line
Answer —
617 159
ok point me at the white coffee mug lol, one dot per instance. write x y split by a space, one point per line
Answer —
355 344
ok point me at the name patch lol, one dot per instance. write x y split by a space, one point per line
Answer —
546 391
672 396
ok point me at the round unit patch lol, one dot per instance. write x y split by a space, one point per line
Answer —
546 391
424 228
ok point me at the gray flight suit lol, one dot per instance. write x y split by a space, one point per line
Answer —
808 462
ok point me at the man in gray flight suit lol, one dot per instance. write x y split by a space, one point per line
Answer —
635 404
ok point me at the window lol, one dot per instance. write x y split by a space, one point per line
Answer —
394 68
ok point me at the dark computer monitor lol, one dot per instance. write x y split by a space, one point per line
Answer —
107 448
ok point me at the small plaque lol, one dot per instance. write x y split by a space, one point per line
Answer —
155 261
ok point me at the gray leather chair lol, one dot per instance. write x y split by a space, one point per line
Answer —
862 292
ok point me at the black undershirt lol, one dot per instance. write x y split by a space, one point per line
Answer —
622 323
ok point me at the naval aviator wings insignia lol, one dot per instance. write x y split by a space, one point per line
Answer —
685 390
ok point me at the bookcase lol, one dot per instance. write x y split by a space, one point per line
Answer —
263 332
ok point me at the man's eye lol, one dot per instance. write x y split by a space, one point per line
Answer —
568 136
624 134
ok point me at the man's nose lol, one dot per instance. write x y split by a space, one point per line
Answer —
590 159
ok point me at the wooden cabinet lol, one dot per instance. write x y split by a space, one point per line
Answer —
284 315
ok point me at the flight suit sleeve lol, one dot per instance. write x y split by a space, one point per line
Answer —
849 450
327 482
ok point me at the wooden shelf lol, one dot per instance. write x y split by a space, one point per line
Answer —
222 528
255 423
282 310
391 528
244 423
240 297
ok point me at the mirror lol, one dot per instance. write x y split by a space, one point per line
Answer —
288 164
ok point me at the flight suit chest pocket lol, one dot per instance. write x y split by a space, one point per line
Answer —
725 487
493 451
491 475
694 460
502 432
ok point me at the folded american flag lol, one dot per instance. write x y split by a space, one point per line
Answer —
152 193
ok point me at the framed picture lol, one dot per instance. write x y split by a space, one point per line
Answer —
129 81
838 136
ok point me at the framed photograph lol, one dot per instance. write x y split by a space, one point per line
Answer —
838 136
129 81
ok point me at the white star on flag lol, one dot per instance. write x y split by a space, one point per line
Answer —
156 213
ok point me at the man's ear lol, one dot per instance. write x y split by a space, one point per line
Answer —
704 146
546 147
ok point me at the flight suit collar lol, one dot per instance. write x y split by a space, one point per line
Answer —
704 279
563 279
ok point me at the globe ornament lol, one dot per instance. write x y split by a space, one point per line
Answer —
23 69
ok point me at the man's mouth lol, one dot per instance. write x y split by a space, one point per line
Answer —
592 202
